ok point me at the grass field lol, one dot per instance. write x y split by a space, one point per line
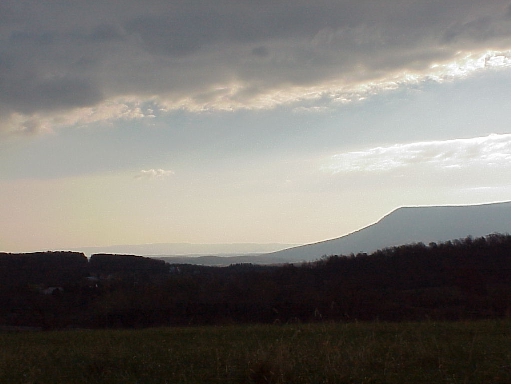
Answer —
429 352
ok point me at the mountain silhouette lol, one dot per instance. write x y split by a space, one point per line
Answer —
408 225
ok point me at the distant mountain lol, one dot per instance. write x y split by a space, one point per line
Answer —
409 225
187 249
219 261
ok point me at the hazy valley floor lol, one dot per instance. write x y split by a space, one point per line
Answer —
426 352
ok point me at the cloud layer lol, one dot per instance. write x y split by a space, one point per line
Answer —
492 152
65 63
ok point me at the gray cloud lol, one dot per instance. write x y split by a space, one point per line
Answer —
260 51
57 57
483 28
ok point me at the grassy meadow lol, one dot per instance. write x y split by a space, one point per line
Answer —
426 352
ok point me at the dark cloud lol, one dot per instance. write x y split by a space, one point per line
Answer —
106 32
486 28
61 55
32 92
260 51
174 35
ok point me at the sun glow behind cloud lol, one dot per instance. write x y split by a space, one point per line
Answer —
492 152
244 95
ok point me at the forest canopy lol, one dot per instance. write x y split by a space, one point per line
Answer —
459 279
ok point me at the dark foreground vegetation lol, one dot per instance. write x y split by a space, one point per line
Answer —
457 280
470 352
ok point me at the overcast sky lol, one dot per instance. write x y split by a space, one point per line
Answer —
129 122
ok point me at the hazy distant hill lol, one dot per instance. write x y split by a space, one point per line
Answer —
187 249
262 259
410 225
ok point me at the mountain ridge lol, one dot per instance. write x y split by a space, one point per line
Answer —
465 220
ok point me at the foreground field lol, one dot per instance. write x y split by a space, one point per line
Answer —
430 352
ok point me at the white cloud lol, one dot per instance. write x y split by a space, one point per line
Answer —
467 63
491 151
154 174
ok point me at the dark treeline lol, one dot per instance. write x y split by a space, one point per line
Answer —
460 279
61 268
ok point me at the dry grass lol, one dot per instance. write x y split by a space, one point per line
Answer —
459 352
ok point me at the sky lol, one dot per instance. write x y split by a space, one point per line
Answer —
130 122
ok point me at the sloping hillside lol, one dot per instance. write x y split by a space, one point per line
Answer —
410 225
